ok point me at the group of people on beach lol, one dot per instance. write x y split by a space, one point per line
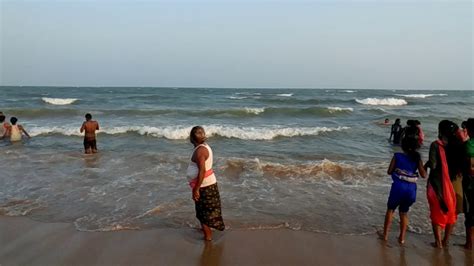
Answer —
450 186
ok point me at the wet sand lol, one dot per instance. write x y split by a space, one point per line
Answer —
26 242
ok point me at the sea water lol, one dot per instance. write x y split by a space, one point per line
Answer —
304 159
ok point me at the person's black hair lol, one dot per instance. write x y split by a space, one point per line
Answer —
470 126
447 129
454 148
411 122
464 124
192 134
397 121
417 122
13 120
88 116
410 146
2 118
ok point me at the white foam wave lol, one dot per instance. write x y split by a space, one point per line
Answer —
333 109
254 110
349 91
59 101
421 95
182 132
285 94
383 101
237 97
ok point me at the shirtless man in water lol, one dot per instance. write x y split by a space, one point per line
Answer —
90 126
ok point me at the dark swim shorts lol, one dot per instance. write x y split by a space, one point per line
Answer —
402 195
90 144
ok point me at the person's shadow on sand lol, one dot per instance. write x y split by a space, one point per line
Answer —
211 253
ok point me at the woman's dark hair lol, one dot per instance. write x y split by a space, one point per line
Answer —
470 126
410 146
192 134
454 148
13 120
447 129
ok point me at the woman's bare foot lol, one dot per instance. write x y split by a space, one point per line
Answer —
401 241
382 236
445 243
436 245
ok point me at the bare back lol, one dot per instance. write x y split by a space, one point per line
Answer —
90 127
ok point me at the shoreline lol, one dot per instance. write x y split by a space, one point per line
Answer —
27 242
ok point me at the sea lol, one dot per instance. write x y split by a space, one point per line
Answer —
304 159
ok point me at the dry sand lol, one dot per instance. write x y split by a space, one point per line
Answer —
26 242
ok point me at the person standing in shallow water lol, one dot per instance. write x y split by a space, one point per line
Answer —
15 131
202 180
396 132
468 183
440 191
90 142
404 168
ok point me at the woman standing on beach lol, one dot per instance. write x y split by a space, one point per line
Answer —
404 169
204 184
468 183
440 191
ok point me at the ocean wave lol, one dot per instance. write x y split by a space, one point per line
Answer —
182 132
59 101
237 97
345 173
254 110
232 112
421 95
349 91
383 101
340 109
285 94
20 207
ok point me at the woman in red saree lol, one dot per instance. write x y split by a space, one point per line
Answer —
440 191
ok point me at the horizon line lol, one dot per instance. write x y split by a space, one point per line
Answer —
212 87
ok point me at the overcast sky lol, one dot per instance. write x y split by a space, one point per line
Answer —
292 44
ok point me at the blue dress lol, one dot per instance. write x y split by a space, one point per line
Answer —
403 191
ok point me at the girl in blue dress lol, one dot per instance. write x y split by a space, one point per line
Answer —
405 168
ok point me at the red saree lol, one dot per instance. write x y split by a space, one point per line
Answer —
446 194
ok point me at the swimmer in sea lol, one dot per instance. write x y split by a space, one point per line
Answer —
90 126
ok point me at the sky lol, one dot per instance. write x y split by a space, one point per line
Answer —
241 44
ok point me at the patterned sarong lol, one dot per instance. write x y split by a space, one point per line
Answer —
208 208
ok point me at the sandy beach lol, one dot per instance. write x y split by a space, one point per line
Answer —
26 242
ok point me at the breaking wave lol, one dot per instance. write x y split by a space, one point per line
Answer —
421 95
383 101
59 101
182 132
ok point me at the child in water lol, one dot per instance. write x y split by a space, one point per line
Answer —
403 169
15 131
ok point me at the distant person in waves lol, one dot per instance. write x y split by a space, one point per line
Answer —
386 122
16 131
4 126
440 191
90 142
405 168
204 184
421 134
396 132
